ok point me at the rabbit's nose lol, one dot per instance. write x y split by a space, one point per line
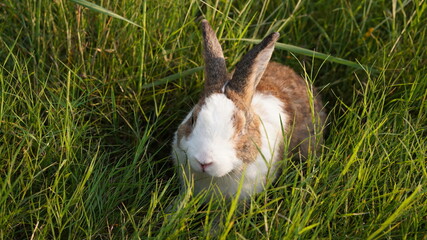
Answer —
205 165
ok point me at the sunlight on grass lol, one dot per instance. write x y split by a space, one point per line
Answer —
90 97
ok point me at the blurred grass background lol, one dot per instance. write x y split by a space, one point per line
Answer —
89 104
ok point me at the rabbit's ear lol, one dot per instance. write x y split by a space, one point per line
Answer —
250 69
215 69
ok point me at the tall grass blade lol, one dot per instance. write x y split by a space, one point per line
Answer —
229 222
173 77
307 52
353 157
397 213
94 7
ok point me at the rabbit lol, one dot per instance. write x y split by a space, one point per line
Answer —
234 136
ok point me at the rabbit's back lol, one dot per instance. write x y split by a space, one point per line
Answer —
285 84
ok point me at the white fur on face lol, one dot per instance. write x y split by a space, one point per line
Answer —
211 140
270 111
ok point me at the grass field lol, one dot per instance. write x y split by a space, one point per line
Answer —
89 105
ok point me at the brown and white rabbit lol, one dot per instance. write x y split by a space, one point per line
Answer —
237 128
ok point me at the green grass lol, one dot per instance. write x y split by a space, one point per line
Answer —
89 105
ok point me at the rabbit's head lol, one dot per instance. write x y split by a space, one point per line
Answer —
222 133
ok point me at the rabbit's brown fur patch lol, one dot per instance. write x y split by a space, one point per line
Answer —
283 83
247 137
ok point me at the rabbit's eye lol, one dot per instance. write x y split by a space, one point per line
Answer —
192 120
